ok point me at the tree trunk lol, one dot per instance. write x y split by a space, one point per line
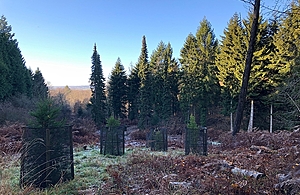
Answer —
246 75
231 118
271 119
250 126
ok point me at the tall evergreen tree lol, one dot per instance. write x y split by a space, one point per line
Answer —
165 71
264 76
230 62
133 84
207 51
145 104
14 73
39 87
287 60
5 87
117 90
187 85
287 41
199 86
97 86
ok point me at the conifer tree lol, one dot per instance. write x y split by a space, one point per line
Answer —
5 87
287 60
264 76
14 73
133 84
287 41
187 84
165 71
39 87
230 62
145 104
117 90
207 47
97 86
199 86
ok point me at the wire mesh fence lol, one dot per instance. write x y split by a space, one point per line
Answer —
196 141
46 156
112 141
157 139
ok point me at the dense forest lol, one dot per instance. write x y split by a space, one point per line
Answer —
204 81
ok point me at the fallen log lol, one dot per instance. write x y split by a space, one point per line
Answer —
248 173
261 149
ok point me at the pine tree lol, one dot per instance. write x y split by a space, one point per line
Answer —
264 76
207 51
230 62
5 87
199 87
97 86
39 87
14 74
145 104
287 41
287 60
165 71
187 84
133 84
117 90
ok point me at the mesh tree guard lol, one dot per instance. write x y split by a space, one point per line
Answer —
46 157
112 141
158 139
196 141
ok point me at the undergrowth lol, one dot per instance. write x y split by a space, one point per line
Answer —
141 171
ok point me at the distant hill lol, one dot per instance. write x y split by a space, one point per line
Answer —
72 94
82 87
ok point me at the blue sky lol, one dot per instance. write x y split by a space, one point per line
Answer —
58 35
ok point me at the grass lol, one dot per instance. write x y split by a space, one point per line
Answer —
141 171
90 173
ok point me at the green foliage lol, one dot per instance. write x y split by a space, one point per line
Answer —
133 84
114 137
97 85
158 144
39 87
287 42
117 90
265 74
199 87
230 62
165 73
192 123
46 115
112 122
145 104
15 78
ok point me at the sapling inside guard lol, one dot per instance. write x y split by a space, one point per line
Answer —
47 148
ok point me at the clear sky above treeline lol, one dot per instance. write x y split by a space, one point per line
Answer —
58 35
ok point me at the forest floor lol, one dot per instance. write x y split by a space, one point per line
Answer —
249 163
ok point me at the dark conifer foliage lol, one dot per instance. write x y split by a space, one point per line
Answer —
165 72
117 90
187 86
199 87
97 85
265 76
133 84
145 104
14 77
39 87
230 62
287 59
